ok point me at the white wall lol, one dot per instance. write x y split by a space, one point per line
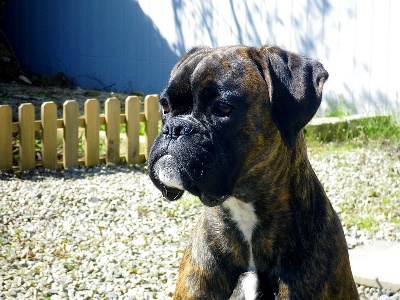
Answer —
358 41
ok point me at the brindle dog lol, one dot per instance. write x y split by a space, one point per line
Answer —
232 135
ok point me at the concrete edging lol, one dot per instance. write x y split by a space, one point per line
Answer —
377 265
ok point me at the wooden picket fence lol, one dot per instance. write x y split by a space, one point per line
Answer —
27 127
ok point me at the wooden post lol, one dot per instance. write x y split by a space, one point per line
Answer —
5 137
132 113
49 135
152 114
71 140
112 116
26 113
92 124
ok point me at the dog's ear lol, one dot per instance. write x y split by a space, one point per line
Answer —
295 89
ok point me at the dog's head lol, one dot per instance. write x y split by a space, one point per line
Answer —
221 107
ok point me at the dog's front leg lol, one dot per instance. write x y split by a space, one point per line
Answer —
201 276
212 263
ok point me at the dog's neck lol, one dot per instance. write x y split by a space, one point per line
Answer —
310 203
277 185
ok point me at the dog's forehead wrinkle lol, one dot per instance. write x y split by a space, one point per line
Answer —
226 64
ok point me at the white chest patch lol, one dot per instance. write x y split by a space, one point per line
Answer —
246 219
249 286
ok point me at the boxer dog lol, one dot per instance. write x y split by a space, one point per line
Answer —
232 135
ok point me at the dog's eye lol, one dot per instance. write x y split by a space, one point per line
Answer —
164 105
222 109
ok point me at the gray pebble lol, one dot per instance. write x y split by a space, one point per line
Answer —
106 232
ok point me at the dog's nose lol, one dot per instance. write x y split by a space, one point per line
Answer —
177 127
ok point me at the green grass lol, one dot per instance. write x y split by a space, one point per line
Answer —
380 128
377 128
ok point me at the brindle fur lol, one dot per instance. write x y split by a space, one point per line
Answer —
298 244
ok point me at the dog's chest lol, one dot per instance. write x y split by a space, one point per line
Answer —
246 219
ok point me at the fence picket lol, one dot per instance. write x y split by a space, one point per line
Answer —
132 113
112 112
5 137
152 114
49 135
26 114
92 124
69 124
71 141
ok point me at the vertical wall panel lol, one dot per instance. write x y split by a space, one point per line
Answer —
393 49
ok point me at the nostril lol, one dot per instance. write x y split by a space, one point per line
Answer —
177 127
173 131
178 131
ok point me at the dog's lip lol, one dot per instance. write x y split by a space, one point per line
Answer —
212 201
171 194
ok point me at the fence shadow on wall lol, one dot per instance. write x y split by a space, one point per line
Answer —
253 23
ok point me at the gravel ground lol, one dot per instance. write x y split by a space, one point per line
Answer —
106 233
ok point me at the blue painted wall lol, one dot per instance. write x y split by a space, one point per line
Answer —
105 44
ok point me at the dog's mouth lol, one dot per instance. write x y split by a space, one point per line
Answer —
167 175
173 179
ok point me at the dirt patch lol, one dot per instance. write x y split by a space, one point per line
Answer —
15 94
